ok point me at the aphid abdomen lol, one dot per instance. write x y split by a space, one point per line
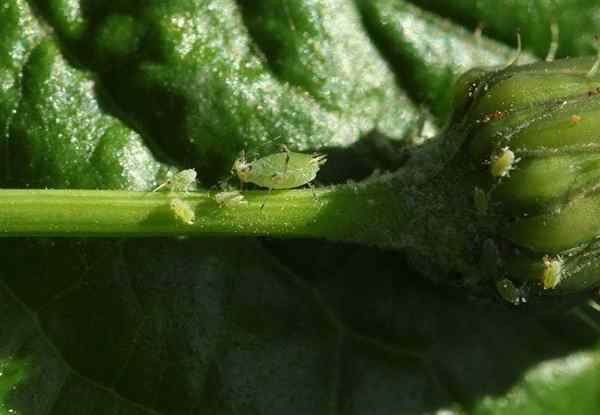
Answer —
284 170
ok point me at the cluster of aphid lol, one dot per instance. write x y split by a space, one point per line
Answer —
501 163
283 170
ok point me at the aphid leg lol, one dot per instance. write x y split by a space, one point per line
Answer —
162 185
517 53
554 31
594 70
479 31
287 158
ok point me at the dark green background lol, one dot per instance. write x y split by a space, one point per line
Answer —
119 94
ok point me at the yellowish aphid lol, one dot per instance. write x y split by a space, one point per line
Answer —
509 292
183 211
183 181
480 200
553 270
503 163
230 199
284 170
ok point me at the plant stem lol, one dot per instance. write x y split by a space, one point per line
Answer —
330 213
430 216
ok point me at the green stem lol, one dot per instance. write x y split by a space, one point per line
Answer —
330 213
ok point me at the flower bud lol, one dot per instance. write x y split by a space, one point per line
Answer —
533 136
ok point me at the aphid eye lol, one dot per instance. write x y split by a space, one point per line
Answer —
182 211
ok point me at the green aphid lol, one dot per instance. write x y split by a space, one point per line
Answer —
511 293
230 199
182 181
182 211
503 163
553 272
284 170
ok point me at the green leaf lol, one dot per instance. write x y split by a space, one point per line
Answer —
121 94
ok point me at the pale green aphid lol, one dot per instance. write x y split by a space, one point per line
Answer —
503 163
230 199
553 272
183 211
509 292
182 181
284 170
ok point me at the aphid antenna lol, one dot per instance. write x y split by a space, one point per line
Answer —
320 159
594 70
160 186
272 140
286 150
517 55
554 39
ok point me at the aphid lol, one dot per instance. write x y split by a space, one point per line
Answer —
552 274
230 199
511 293
284 170
503 163
182 181
182 211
